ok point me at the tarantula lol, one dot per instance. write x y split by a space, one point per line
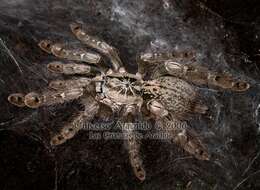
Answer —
161 89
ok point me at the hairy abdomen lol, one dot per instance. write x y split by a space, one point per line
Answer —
179 97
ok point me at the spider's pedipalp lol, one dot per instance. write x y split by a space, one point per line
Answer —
17 99
72 68
97 44
240 86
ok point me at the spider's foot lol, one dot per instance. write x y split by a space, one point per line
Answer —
189 141
139 171
240 86
17 99
201 75
46 45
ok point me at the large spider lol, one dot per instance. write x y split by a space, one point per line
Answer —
161 89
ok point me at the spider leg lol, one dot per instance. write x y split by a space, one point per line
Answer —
133 143
78 122
60 51
182 135
156 108
97 44
152 60
72 68
179 131
155 58
64 84
201 75
17 99
48 97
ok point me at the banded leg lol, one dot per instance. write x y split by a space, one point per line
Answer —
97 44
78 122
178 131
72 68
154 59
17 99
65 84
49 97
133 144
201 75
164 56
185 137
60 51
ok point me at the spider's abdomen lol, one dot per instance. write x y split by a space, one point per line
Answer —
177 96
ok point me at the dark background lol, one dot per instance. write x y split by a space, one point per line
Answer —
225 35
